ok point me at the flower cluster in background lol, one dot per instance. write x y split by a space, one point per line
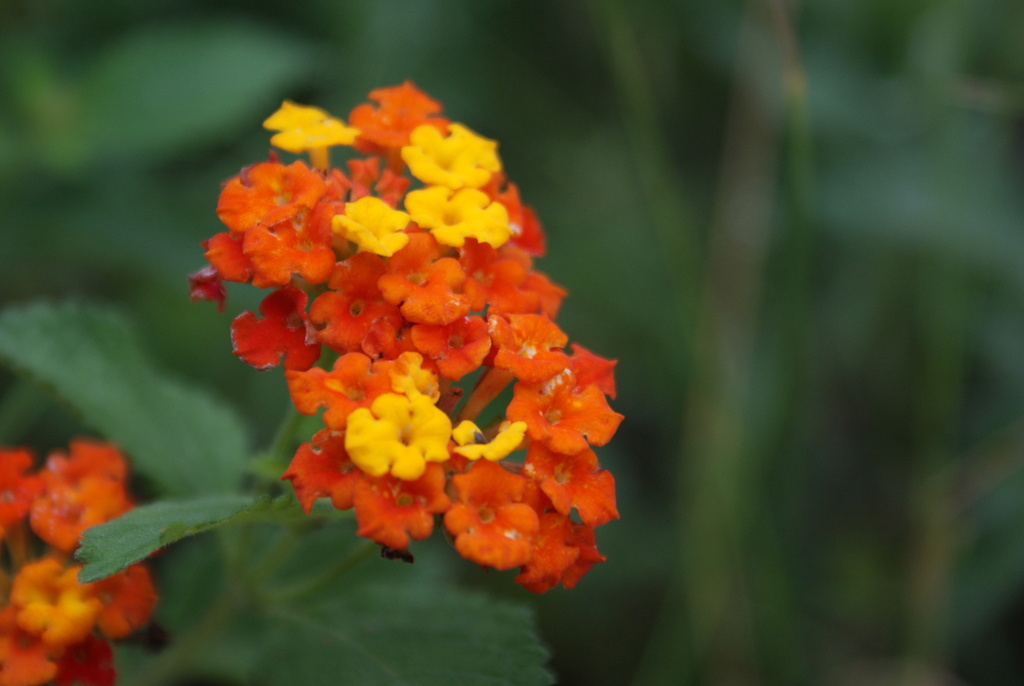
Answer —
53 627
408 278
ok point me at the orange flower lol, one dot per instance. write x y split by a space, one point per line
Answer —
390 510
400 110
346 312
552 554
268 193
224 253
351 384
563 416
300 245
526 230
322 468
52 604
491 525
495 281
458 348
593 370
82 490
427 288
24 659
284 332
563 552
573 481
128 598
529 346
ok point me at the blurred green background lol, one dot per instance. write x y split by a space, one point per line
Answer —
799 227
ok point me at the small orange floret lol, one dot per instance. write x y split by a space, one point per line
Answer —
268 193
351 384
566 418
284 332
593 370
491 525
458 348
552 554
427 288
346 313
52 604
573 481
529 346
495 281
224 253
300 245
322 468
82 490
24 659
128 599
390 510
400 109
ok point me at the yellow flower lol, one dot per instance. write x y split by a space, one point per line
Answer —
409 378
454 216
472 445
373 225
398 435
461 160
305 128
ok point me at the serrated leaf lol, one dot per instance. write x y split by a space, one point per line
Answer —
171 85
89 357
109 548
403 636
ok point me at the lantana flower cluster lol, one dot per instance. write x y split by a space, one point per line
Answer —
54 628
403 301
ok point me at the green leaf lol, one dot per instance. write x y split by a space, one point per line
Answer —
402 636
168 86
109 548
89 357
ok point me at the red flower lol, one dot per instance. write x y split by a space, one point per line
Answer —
206 284
17 489
90 662
284 332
